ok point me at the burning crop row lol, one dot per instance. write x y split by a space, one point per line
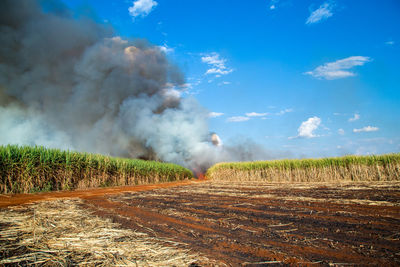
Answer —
348 168
30 169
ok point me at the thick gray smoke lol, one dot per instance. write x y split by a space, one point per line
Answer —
66 82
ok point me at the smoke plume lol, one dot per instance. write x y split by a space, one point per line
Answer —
68 82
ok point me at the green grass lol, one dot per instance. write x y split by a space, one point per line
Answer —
33 169
355 168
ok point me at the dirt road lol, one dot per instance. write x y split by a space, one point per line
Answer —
20 199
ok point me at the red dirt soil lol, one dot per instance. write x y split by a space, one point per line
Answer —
257 224
19 199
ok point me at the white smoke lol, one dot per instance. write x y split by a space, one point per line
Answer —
67 82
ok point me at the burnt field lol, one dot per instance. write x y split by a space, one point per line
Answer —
257 224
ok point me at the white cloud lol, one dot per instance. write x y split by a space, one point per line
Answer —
166 49
322 13
339 68
214 59
272 4
141 8
216 63
255 114
307 128
284 111
215 114
224 83
220 71
187 86
366 129
341 131
355 118
389 43
238 119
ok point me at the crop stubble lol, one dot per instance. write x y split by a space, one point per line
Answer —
61 233
214 223
256 223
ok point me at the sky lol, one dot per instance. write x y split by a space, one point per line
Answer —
300 78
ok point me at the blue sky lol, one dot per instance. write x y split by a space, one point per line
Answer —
302 78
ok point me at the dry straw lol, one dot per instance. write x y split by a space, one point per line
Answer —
348 168
31 169
60 233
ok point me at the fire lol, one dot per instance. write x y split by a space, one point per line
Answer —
199 175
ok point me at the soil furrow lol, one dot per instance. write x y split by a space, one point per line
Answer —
237 228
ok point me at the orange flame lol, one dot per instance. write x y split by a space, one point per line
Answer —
199 174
